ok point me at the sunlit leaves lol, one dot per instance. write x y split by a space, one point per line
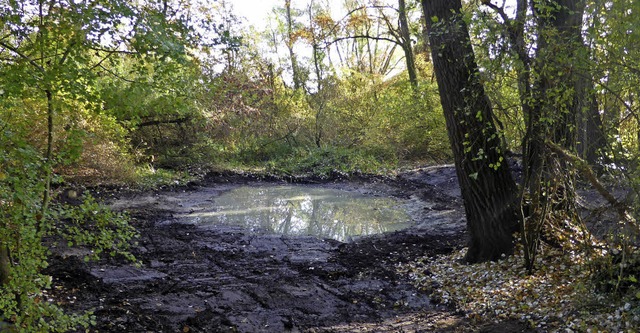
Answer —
53 56
95 225
324 21
358 19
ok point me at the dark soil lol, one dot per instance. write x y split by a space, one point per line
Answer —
203 279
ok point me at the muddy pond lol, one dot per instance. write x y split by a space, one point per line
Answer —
298 210
240 255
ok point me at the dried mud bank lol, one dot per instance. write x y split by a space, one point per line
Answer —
223 279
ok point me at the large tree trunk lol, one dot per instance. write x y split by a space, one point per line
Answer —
556 102
488 189
558 97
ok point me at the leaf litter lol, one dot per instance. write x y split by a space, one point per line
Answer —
559 296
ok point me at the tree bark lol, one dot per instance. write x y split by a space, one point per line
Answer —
557 99
592 139
5 264
554 91
423 44
317 65
514 29
488 189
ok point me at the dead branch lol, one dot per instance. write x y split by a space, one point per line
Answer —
585 170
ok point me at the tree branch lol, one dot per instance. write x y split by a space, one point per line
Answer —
583 167
66 53
22 55
113 51
363 37
161 122
627 106
114 74
498 10
355 10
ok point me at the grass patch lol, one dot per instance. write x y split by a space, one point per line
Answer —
148 178
331 161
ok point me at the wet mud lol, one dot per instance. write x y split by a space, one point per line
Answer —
200 278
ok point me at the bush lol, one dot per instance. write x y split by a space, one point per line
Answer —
25 221
329 161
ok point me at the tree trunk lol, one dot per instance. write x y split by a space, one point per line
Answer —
423 43
48 165
406 44
592 139
515 32
558 95
5 264
295 70
555 96
488 189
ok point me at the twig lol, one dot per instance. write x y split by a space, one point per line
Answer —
583 167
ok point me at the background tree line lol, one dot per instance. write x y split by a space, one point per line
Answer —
117 92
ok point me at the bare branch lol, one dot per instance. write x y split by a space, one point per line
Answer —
113 51
499 10
581 165
163 122
355 10
378 38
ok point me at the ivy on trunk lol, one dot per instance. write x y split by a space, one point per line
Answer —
488 189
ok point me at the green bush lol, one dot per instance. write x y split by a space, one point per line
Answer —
329 161
25 222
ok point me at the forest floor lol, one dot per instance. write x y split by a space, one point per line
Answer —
222 279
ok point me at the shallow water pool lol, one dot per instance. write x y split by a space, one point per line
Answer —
304 210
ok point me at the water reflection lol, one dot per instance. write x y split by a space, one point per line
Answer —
304 210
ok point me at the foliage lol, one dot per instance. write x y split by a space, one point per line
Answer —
54 57
23 226
95 226
115 91
329 162
156 105
499 77
149 178
618 272
254 119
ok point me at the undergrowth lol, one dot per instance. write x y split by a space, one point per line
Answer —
330 161
148 178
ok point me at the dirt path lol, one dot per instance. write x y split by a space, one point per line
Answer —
223 279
